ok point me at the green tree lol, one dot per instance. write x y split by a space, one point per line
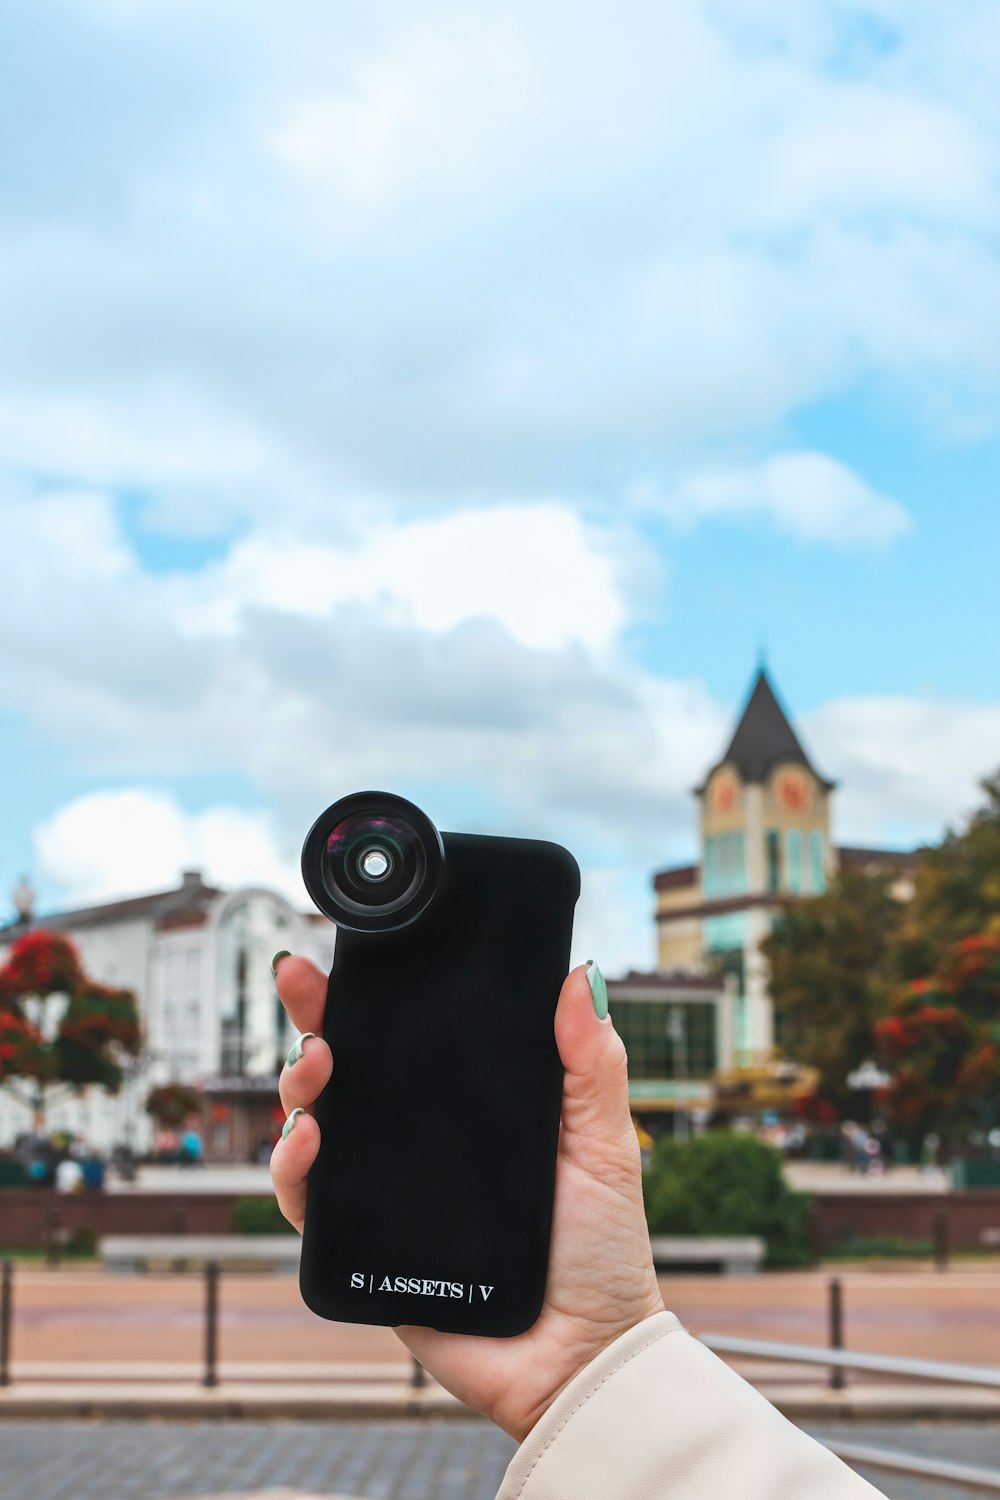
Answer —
957 891
830 979
97 1027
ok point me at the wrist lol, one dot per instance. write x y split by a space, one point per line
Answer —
583 1345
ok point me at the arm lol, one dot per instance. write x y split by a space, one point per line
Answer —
657 1416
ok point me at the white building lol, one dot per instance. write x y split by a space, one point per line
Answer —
198 960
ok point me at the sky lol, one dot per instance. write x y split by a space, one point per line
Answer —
462 400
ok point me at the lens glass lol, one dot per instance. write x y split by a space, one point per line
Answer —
373 860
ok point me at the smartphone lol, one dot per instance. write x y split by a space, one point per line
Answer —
430 1201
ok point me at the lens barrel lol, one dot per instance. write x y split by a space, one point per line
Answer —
372 861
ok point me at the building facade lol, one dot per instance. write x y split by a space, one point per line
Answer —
198 960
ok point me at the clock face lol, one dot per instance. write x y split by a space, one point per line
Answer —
793 791
724 792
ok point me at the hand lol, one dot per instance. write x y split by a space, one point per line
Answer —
601 1280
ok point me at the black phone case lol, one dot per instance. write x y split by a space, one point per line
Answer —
430 1200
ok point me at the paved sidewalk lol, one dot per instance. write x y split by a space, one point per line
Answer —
354 1461
138 1399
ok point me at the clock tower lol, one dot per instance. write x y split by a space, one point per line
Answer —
765 834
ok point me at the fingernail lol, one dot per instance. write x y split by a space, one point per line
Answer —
289 1124
598 988
295 1051
276 960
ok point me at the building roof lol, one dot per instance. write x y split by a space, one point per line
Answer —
677 877
185 905
763 738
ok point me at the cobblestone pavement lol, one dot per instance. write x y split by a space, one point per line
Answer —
374 1460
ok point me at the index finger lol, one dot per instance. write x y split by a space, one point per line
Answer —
301 989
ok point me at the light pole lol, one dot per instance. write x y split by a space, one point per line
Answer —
23 897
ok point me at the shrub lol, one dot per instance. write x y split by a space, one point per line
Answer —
259 1216
724 1183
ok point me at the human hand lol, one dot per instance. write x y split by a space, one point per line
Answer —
600 1280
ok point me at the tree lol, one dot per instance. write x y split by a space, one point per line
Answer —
915 984
98 1025
942 1037
171 1103
942 1043
957 891
830 980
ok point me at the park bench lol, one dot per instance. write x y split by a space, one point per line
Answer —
144 1252
732 1255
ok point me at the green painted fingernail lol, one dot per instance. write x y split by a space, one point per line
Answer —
598 988
276 960
295 1051
289 1124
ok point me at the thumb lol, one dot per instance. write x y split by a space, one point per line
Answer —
595 1087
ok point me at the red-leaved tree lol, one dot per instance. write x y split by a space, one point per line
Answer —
941 1042
97 1028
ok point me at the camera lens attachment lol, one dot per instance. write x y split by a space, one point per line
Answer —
372 862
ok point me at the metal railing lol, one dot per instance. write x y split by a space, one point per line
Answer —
839 1360
210 1377
860 1455
834 1358
842 1359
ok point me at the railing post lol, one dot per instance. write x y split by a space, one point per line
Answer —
6 1310
941 1239
53 1220
418 1378
836 1330
211 1323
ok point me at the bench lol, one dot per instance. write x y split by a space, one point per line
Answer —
143 1252
732 1255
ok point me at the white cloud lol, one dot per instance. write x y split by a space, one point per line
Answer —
451 254
537 570
807 495
116 843
482 650
907 766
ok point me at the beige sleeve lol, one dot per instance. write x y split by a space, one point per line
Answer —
657 1416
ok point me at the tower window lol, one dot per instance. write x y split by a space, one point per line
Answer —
725 864
816 861
793 851
773 851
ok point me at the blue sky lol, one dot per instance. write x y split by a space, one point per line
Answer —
459 401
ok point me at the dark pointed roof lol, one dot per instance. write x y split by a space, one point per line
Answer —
763 738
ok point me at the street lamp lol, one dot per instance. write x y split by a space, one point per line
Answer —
23 896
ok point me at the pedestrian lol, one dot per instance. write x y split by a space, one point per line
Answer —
607 1394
